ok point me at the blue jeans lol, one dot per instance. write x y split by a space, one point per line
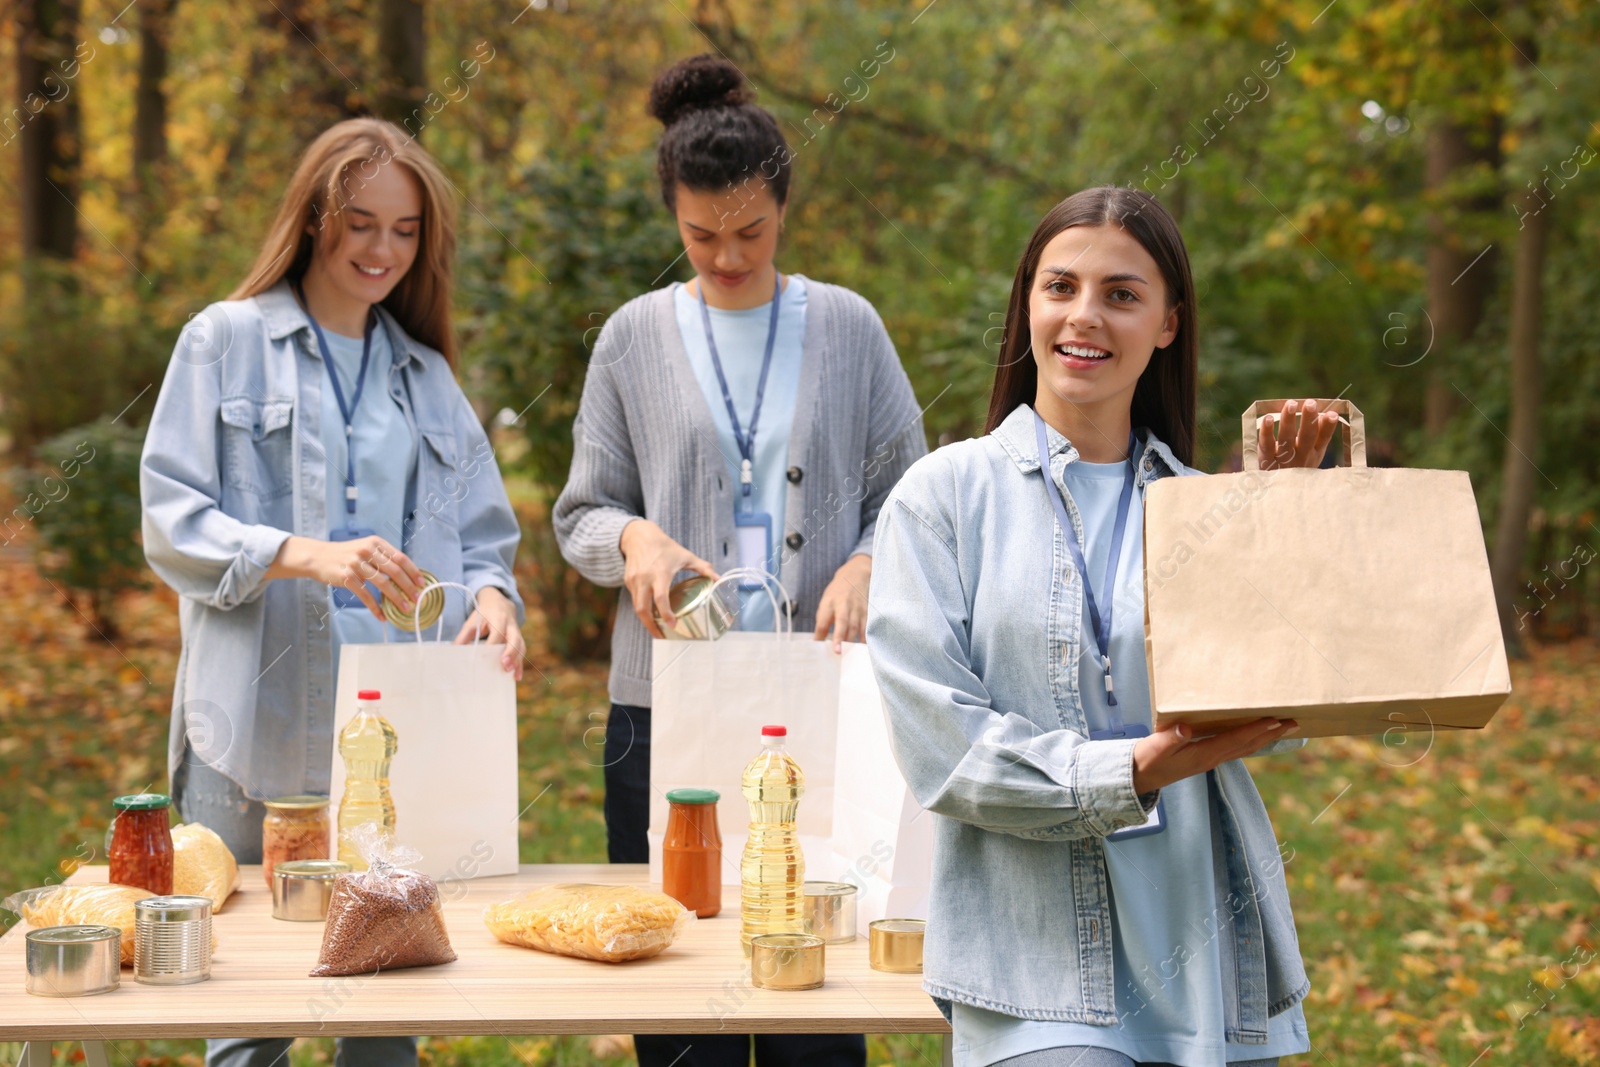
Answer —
206 796
627 807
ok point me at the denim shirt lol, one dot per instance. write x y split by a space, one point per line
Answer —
975 630
233 465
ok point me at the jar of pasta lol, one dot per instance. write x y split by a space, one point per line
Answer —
141 842
296 828
691 855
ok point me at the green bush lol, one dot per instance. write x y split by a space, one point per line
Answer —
71 355
85 505
602 237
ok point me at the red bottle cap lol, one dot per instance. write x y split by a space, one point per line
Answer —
774 731
369 694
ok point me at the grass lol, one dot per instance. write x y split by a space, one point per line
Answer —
1445 888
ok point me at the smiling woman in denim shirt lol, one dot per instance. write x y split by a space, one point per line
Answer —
310 452
1019 702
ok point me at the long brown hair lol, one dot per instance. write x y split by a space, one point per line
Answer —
1164 398
330 171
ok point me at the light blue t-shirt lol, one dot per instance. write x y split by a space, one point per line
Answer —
741 341
1170 926
386 453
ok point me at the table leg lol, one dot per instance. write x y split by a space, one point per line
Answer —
946 1057
94 1054
35 1054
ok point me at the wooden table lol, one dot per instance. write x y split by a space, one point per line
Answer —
260 987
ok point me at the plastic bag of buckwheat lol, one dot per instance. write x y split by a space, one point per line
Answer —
385 917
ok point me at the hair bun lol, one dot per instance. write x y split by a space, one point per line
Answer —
702 81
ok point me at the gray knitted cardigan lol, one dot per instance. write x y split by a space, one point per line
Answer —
645 445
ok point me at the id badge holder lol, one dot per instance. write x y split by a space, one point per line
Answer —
754 532
1156 821
342 597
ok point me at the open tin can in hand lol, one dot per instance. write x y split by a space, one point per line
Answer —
701 613
432 608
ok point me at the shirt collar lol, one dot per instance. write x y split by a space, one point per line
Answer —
1016 436
283 316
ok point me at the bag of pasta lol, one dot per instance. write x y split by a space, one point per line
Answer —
202 865
105 904
385 917
593 922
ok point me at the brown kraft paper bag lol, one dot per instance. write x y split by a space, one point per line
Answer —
1355 600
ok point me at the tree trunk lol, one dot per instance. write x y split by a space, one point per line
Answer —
150 96
402 62
1520 480
1459 283
49 62
150 123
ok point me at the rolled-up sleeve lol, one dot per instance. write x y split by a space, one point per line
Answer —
603 491
961 756
190 543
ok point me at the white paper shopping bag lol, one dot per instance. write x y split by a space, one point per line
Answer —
454 775
709 701
882 838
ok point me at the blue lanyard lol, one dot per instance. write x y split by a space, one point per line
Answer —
1102 621
746 442
347 410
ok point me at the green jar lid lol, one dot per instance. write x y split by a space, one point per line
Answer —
141 802
693 796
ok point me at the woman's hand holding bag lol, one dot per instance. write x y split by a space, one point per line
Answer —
1169 755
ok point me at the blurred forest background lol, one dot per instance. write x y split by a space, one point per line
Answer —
1389 202
1392 202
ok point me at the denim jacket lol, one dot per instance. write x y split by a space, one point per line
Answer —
233 465
975 630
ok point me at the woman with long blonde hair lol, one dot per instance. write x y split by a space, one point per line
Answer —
310 454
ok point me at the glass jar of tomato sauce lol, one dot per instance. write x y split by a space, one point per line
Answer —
691 856
141 842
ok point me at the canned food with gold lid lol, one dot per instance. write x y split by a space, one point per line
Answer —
432 608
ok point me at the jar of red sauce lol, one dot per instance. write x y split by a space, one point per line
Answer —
141 842
691 856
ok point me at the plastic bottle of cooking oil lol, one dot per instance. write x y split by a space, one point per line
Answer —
368 744
772 871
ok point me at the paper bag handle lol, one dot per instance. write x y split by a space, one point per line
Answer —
1355 430
782 625
438 630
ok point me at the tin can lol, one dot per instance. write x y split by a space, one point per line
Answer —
702 615
172 940
895 945
787 961
73 961
830 911
301 889
432 608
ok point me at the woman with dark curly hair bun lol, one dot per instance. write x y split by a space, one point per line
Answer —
748 418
